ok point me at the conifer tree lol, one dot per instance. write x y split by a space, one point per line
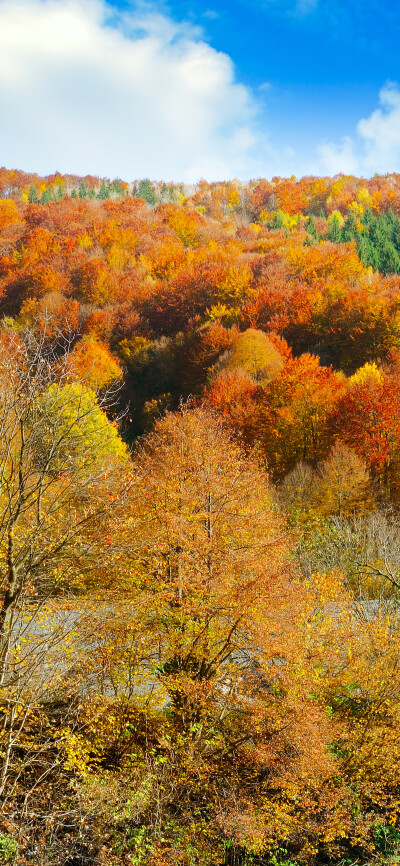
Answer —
32 195
104 191
146 191
334 230
311 227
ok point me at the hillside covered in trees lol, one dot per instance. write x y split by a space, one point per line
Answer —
199 522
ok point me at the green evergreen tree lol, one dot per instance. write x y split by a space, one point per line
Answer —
146 191
276 221
393 229
83 193
389 259
32 195
46 196
367 252
311 228
334 230
349 229
381 236
104 191
368 218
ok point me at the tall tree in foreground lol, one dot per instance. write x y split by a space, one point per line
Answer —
226 746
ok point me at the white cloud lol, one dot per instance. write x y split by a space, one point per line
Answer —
336 158
375 147
211 14
85 91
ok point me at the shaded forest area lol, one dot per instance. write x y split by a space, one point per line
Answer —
199 525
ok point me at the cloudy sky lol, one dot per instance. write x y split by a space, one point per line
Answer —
207 88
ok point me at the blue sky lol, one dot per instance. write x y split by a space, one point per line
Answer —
324 61
317 42
205 88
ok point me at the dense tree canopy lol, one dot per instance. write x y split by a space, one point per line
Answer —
199 521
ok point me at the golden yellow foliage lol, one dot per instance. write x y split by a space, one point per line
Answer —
369 374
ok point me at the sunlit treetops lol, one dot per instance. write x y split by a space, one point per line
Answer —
284 200
263 298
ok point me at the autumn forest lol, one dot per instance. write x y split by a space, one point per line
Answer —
199 522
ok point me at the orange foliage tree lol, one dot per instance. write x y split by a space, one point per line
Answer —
367 417
240 753
295 411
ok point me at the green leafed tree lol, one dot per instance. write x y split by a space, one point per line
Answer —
146 192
